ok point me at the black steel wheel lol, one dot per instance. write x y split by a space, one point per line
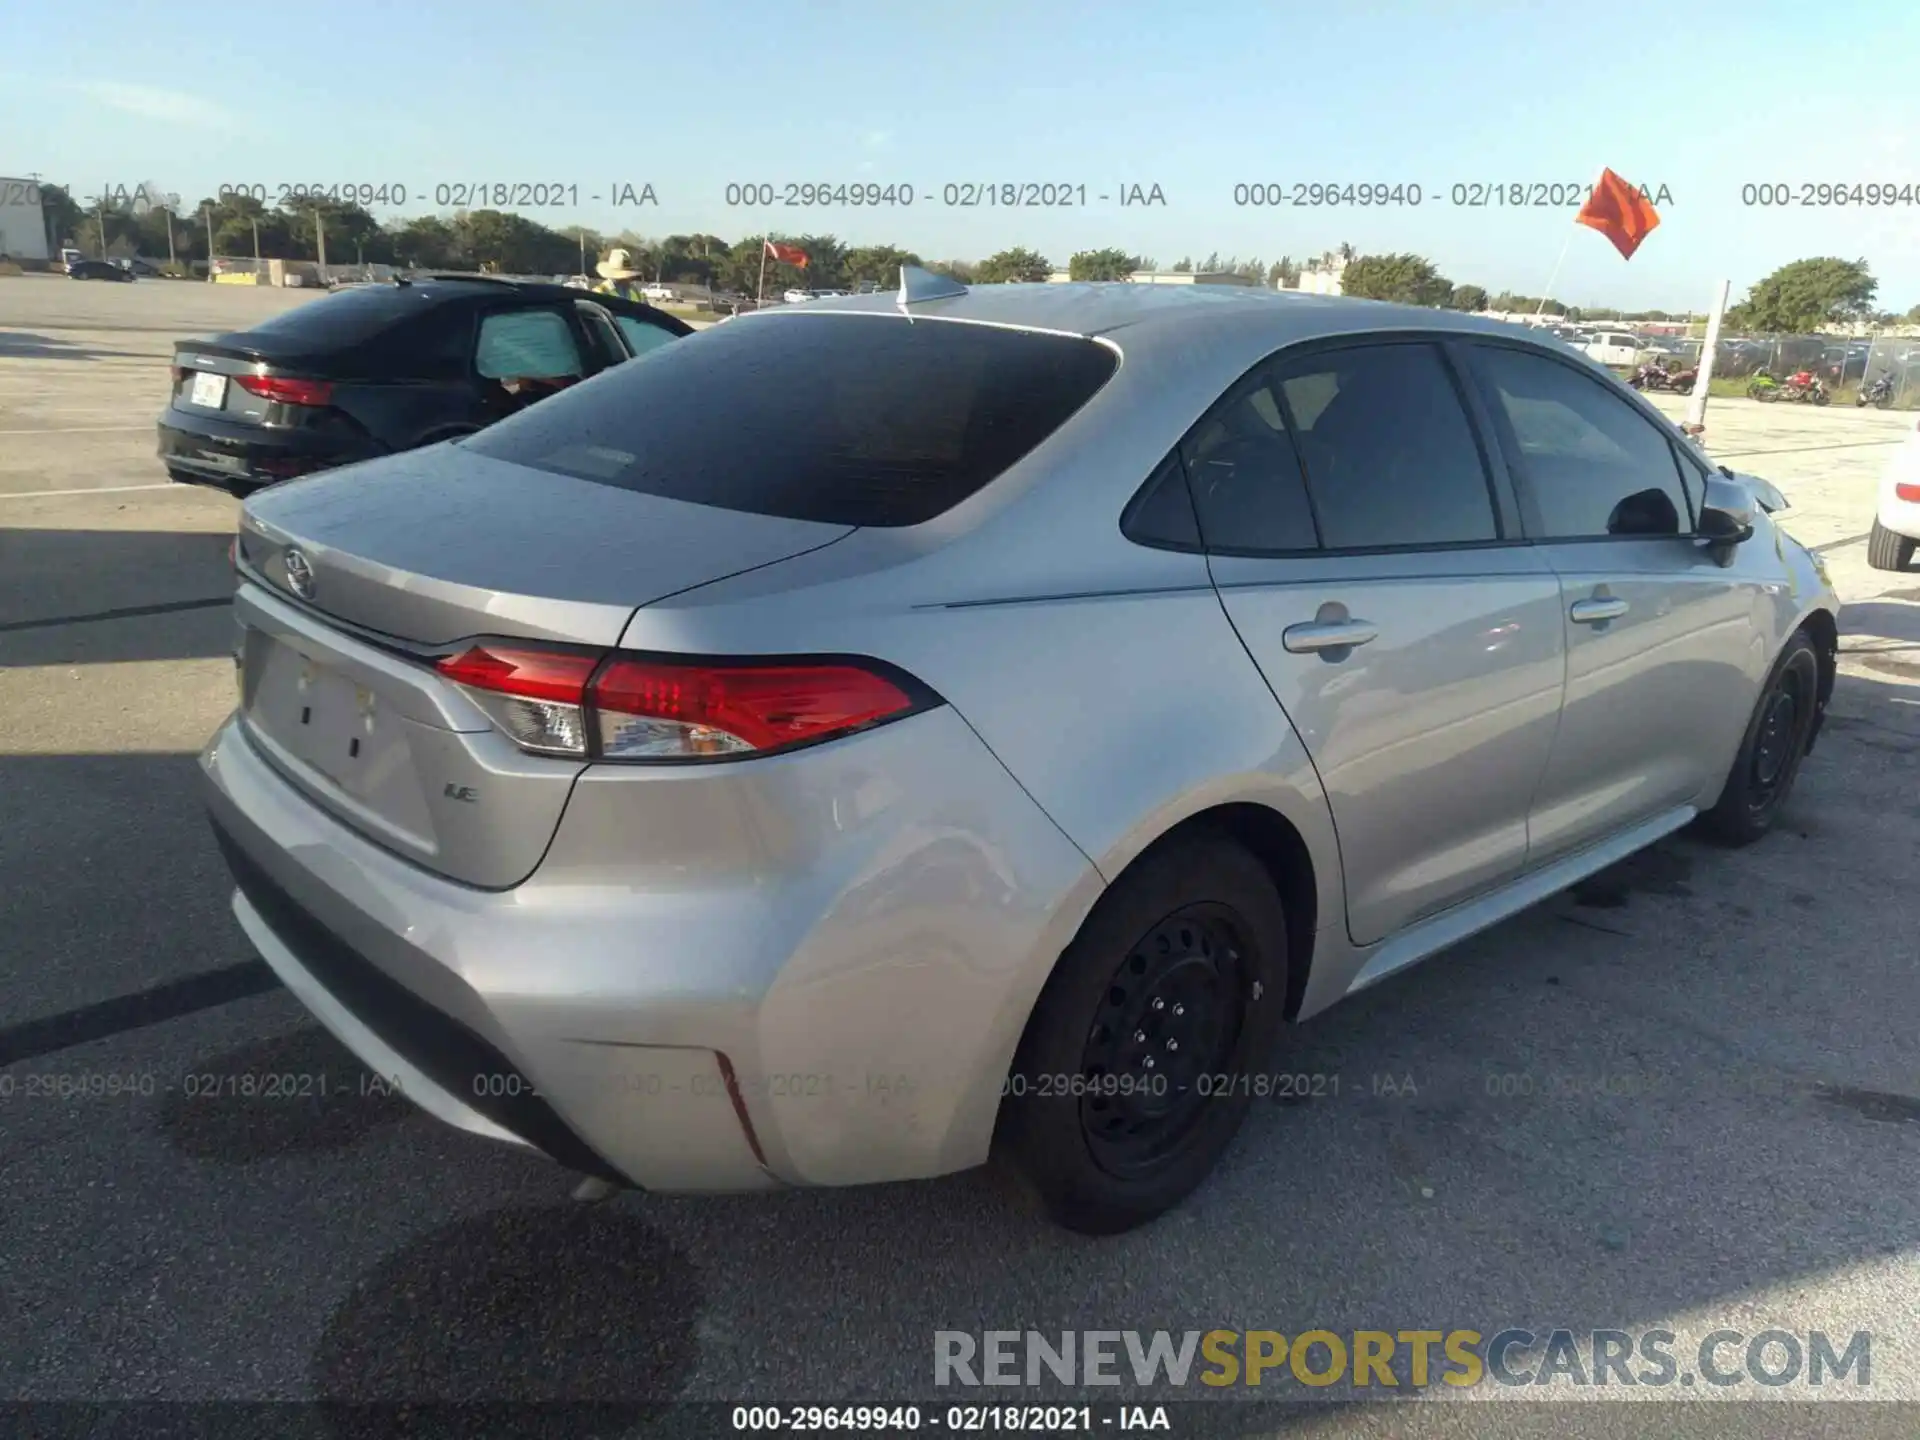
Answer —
1168 1021
1777 740
1128 1082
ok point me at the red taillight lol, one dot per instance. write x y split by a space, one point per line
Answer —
1908 492
658 709
631 707
286 391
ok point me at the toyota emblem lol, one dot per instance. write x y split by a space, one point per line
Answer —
299 574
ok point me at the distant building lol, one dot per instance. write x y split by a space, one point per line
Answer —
1168 277
1319 277
23 223
1189 277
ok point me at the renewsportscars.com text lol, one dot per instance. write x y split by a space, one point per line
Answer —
1403 1358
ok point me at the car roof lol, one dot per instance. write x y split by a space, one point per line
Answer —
1137 316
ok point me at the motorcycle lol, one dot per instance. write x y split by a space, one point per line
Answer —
1804 386
1877 393
1683 379
1650 376
1763 387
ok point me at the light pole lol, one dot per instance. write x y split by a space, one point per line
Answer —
206 214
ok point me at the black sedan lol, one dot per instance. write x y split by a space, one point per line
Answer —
98 270
374 370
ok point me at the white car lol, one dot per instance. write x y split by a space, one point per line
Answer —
1896 528
657 292
797 297
1612 347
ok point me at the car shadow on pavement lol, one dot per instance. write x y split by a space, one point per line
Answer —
23 345
1672 1092
67 597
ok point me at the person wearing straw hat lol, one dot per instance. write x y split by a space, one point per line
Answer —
618 277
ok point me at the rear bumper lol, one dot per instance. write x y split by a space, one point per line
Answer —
245 457
844 1011
1895 514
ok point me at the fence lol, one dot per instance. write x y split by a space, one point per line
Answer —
1841 362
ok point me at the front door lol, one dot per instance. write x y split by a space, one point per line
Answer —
1363 545
1660 640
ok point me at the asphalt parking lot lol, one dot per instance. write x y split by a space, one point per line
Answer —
1685 1095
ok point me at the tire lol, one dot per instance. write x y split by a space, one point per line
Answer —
1888 549
1770 752
1195 925
1820 397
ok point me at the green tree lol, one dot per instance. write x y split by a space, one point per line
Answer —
1913 315
1184 265
1012 266
1106 264
1806 294
349 231
1470 298
427 242
965 271
63 216
1283 273
877 263
1405 278
1210 265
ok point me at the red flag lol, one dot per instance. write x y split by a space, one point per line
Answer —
787 254
1620 212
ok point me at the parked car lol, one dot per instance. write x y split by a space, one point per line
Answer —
1896 524
659 292
98 270
833 752
139 269
1612 347
374 370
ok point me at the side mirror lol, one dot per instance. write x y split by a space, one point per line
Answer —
1726 512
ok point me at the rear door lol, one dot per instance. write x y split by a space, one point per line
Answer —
527 352
1659 636
1366 547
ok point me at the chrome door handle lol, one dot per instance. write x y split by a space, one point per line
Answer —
1317 635
1593 612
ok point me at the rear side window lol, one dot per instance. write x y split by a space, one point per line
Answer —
869 420
435 346
1245 476
1390 455
526 344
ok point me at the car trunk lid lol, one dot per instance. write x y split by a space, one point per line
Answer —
357 580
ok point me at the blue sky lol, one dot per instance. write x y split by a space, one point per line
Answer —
1697 95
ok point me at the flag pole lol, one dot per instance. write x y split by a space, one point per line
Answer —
761 298
1566 245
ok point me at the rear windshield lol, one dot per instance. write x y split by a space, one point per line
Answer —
843 419
344 318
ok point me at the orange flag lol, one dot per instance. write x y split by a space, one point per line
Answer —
1619 212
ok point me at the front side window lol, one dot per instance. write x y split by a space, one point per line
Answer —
1390 456
642 337
1594 465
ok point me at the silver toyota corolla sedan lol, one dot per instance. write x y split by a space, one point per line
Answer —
898 731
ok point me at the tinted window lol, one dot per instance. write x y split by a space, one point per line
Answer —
642 337
600 326
1245 476
530 344
435 346
1389 453
844 419
1162 514
1595 465
346 318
